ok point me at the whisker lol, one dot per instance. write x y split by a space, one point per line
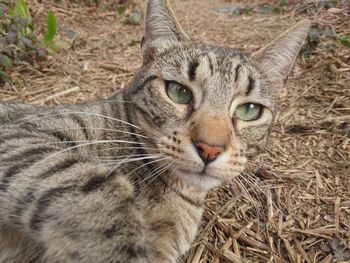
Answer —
159 173
271 172
162 159
120 163
251 179
90 143
160 169
243 188
253 188
125 148
102 129
246 192
83 113
121 157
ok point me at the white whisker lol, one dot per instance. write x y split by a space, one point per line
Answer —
159 173
121 157
90 143
162 159
84 113
125 148
156 171
140 159
102 129
271 172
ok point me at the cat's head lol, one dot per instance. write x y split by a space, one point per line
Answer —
207 107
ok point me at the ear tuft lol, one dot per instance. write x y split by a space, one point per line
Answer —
277 58
161 28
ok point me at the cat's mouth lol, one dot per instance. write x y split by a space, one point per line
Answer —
202 179
202 173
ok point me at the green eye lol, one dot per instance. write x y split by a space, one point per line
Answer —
178 93
249 111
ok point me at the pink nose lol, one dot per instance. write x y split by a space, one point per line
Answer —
208 153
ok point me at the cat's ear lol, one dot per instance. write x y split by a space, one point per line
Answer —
277 58
161 29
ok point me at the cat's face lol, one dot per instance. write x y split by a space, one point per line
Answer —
208 108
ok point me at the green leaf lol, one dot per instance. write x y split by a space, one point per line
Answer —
4 77
344 41
11 14
21 9
5 61
51 28
121 10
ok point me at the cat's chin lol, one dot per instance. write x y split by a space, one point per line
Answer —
201 181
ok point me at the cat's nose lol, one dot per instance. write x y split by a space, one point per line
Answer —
207 152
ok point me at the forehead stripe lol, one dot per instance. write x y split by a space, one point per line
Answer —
251 85
192 68
238 67
211 66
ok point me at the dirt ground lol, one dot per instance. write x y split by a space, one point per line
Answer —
295 206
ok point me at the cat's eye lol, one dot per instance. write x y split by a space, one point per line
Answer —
249 111
178 93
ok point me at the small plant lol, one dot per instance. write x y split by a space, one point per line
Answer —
18 39
50 35
345 40
121 10
314 37
316 34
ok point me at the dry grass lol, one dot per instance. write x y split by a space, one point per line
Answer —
298 207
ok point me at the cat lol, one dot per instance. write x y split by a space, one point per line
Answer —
124 179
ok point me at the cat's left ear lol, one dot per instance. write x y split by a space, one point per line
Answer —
161 29
277 58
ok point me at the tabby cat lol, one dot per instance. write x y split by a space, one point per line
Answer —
124 179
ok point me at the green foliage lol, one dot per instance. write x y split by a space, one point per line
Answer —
314 37
121 10
51 31
18 38
22 10
5 61
345 40
316 34
243 10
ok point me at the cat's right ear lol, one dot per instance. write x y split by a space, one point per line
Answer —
277 58
161 29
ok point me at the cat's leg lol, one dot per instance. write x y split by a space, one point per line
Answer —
78 214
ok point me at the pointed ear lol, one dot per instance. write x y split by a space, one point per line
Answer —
161 29
277 58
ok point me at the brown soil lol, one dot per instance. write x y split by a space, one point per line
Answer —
297 209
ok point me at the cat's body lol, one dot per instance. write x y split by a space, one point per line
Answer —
124 180
173 216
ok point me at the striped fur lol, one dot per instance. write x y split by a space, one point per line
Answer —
120 180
